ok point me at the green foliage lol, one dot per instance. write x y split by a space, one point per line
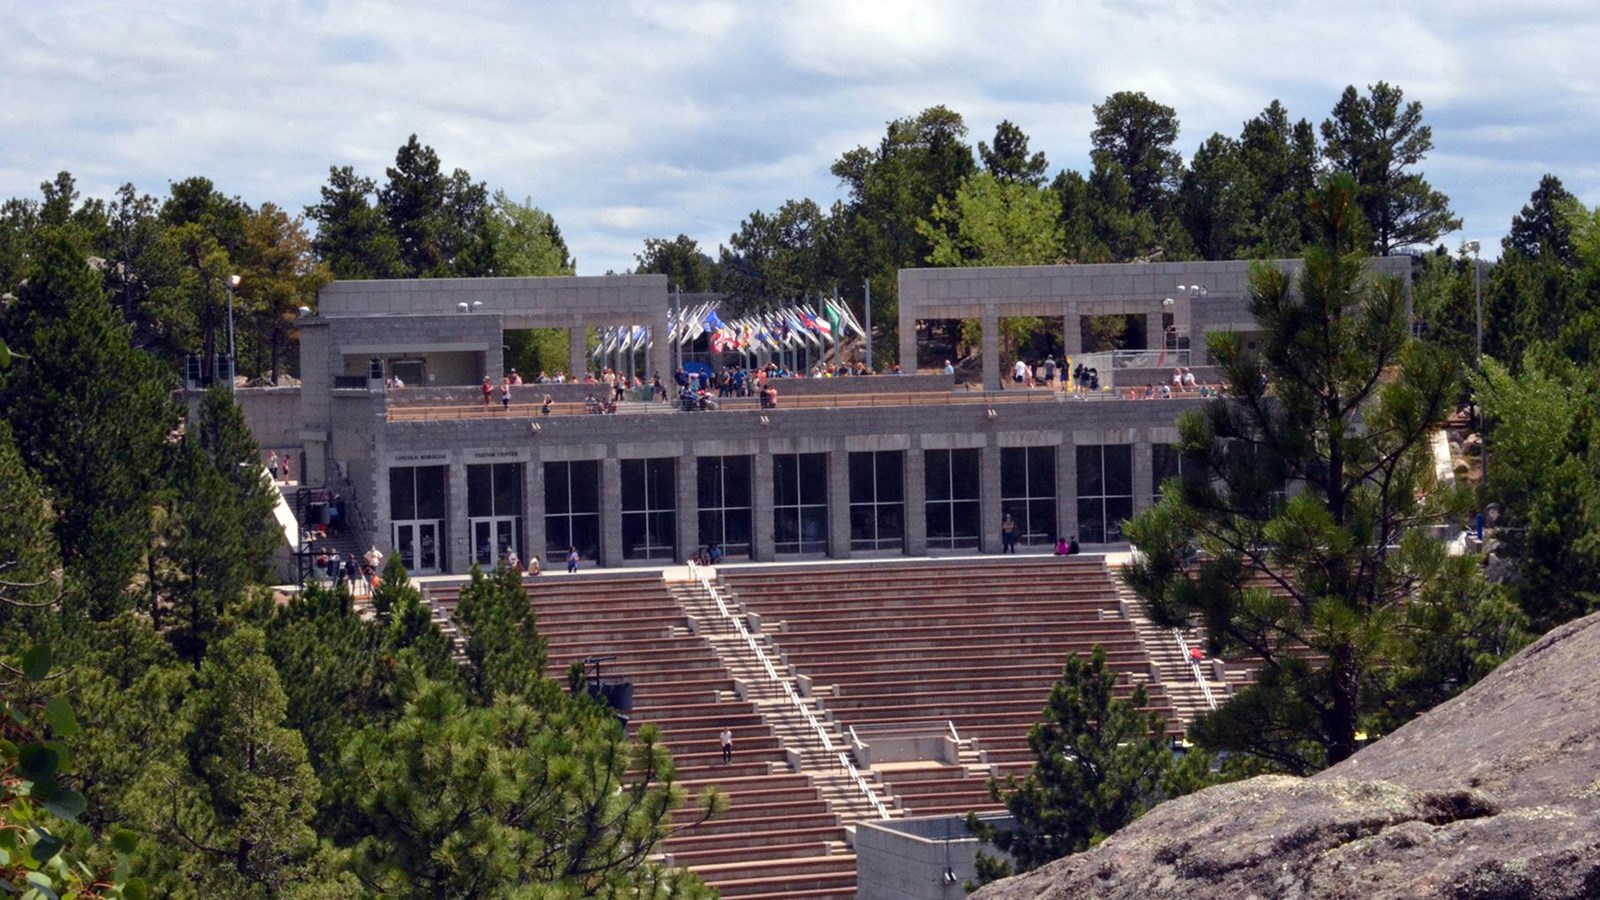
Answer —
526 240
278 275
353 237
1100 763
1008 160
1136 134
461 801
686 266
779 258
505 653
1315 583
90 416
1376 141
993 222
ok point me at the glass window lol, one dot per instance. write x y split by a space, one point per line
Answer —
800 502
877 500
1105 491
952 509
572 509
724 493
649 508
1028 492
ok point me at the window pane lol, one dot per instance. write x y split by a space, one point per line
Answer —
708 481
813 529
1013 472
1089 480
556 492
891 476
1117 510
736 475
480 491
785 479
1041 471
508 489
736 530
1041 522
1119 470
936 474
711 528
862 489
891 524
964 468
586 536
586 487
813 478
965 521
633 485
430 492
1091 521
402 493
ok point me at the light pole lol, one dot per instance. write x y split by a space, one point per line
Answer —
1477 292
232 282
1483 417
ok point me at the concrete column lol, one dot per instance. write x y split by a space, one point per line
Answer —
577 360
688 507
610 512
533 533
1143 468
916 494
457 538
762 540
1072 331
660 356
908 344
990 514
839 503
1067 486
993 366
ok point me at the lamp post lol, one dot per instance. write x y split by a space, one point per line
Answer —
1483 419
232 282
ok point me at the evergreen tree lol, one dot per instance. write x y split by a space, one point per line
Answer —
1377 142
1008 159
90 415
1542 226
683 262
1100 762
1280 158
526 240
1341 402
1137 134
505 653
353 238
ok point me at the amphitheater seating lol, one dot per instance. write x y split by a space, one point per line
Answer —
778 837
977 645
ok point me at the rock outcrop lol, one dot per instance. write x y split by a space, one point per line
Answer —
1495 794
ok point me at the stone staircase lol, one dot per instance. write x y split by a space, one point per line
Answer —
1170 665
802 745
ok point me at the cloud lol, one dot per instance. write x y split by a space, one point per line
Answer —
639 119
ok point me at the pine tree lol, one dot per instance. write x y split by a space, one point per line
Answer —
505 653
1309 577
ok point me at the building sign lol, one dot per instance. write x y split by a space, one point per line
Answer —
419 457
496 454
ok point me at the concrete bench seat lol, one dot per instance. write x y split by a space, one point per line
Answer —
691 841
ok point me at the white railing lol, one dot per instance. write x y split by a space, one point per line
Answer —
699 574
1194 666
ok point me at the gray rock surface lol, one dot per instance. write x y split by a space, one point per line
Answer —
1495 794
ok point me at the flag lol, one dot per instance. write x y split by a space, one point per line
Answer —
713 321
842 310
835 326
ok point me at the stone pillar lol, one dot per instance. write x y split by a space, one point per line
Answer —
1143 469
610 512
457 538
660 357
1072 331
908 344
839 503
762 540
577 360
688 507
1067 486
990 514
916 494
533 534
993 366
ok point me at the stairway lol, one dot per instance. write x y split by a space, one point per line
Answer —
341 540
800 741
1168 663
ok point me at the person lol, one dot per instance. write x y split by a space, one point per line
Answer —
1072 546
534 568
1196 655
1188 380
515 378
285 463
1008 535
505 393
715 556
544 408
272 465
488 390
726 738
1049 371
1061 547
512 561
374 559
949 367
323 562
572 560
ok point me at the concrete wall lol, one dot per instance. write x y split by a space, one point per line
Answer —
273 415
918 859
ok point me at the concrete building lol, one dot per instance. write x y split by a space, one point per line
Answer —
842 467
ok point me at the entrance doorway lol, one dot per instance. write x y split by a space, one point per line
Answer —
492 537
417 542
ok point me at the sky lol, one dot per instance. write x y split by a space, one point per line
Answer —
631 120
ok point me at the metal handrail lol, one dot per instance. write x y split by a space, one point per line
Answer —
1199 676
788 689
